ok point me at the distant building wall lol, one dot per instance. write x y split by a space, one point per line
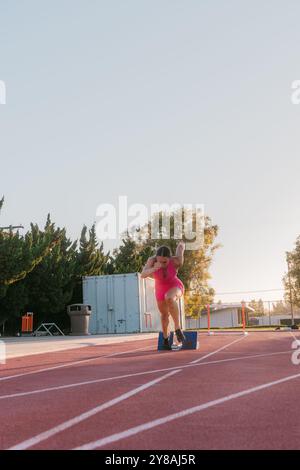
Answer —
225 318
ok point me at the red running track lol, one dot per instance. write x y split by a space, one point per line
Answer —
235 392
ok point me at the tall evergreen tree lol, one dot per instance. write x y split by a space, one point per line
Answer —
127 258
50 285
90 260
258 306
19 256
291 280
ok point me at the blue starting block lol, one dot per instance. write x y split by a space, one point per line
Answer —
191 341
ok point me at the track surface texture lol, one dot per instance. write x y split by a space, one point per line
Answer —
234 392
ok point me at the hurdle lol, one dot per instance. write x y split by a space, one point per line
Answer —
244 318
212 333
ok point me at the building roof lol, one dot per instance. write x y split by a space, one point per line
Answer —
219 307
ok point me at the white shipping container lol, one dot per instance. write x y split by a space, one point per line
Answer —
123 303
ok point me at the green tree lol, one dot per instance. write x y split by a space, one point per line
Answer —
19 256
42 271
90 260
50 285
281 307
292 281
127 258
258 306
195 271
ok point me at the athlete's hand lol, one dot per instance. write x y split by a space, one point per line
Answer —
157 265
181 245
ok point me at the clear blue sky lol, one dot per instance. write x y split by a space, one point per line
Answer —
162 101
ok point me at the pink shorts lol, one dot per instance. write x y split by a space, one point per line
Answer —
162 288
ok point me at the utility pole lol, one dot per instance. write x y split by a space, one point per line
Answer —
11 227
290 285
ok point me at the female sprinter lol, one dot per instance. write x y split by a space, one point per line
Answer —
163 268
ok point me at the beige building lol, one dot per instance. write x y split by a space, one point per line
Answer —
221 316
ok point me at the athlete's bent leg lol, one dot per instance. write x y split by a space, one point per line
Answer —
164 315
171 297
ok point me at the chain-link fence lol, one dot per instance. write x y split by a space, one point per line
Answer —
260 313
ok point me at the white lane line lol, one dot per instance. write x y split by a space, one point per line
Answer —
166 419
23 374
78 419
218 350
136 374
67 364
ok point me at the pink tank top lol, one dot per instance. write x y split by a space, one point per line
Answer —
166 275
165 278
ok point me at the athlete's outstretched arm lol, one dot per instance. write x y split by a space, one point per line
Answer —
179 258
150 267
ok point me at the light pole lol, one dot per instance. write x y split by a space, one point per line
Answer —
290 286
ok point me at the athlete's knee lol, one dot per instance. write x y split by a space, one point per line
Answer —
170 299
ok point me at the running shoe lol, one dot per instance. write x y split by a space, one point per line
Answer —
166 344
180 336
